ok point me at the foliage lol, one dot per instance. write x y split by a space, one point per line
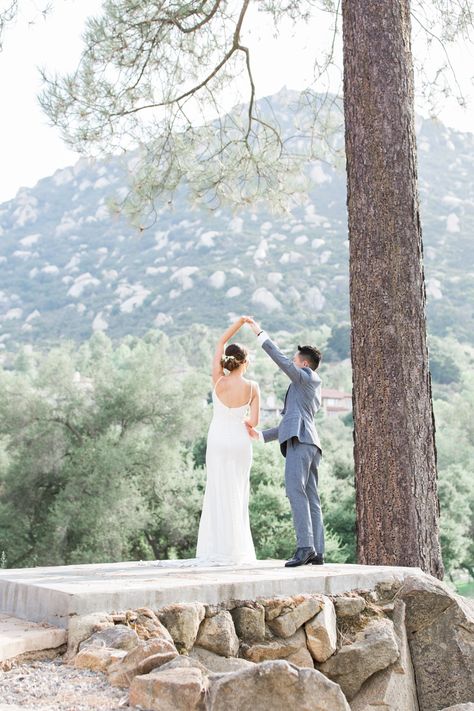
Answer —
443 367
89 464
339 344
158 75
110 465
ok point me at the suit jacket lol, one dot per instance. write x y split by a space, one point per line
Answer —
302 401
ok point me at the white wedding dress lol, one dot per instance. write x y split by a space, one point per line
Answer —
224 530
224 536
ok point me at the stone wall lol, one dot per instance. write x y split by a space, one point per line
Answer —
404 646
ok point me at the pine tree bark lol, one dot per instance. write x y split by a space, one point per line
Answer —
394 430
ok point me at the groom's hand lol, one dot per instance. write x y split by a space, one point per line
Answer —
254 326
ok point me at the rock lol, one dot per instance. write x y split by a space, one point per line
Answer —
458 707
212 610
349 606
374 648
426 599
393 688
371 596
321 632
275 686
118 637
182 622
275 606
215 663
98 658
217 634
82 626
387 589
249 622
147 625
141 660
289 620
440 627
293 647
119 618
301 658
181 689
186 661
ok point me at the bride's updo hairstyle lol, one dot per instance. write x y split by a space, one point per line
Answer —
234 356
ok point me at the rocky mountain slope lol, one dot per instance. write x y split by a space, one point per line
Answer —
68 268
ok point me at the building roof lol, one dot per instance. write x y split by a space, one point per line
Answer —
330 392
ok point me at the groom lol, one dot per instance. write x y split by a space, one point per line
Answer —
299 444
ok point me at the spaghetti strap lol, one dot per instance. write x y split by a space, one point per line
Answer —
222 376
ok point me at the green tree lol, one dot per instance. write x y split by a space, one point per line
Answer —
91 463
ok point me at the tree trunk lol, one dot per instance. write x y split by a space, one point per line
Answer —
394 446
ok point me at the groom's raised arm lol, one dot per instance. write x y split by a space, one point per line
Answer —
286 364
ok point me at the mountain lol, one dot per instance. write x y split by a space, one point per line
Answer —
68 268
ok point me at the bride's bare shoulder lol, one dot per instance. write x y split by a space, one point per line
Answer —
253 383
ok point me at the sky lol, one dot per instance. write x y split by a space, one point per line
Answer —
30 149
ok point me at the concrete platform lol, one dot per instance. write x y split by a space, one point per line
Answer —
53 594
19 636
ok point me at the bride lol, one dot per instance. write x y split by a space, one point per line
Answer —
224 529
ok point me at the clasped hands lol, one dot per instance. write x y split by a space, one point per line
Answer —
251 322
252 432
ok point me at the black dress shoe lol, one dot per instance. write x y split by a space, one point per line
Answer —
301 557
317 560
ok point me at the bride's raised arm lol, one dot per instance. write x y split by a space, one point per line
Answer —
217 370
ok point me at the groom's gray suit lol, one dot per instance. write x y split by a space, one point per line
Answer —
300 445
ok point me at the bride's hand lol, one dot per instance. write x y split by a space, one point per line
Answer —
253 325
252 432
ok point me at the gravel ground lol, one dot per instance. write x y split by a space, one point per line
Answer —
53 686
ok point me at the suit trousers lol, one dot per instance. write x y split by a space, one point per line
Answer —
301 484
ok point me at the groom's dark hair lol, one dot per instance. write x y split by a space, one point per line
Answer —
311 354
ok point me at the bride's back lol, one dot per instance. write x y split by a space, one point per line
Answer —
233 391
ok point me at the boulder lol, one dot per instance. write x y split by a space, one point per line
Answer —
275 686
275 606
393 688
217 634
117 637
141 660
181 689
440 627
285 614
461 707
349 605
301 658
147 625
82 626
215 663
374 648
321 632
292 648
183 660
249 622
182 622
426 598
98 658
304 607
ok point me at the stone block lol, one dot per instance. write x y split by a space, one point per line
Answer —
217 634
374 648
321 632
181 689
275 686
182 621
